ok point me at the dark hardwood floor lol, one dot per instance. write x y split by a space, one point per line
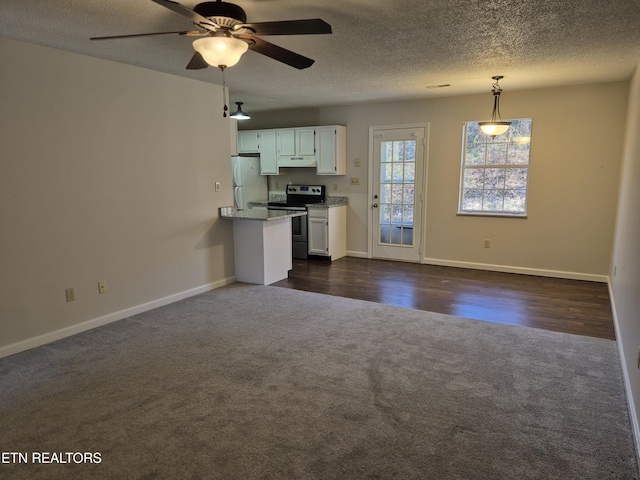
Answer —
570 306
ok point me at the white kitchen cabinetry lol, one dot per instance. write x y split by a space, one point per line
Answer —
331 146
233 131
249 141
293 142
286 141
327 232
264 143
305 141
268 153
296 147
324 148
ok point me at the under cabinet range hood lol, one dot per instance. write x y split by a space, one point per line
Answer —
299 161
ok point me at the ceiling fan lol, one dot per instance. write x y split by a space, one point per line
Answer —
226 35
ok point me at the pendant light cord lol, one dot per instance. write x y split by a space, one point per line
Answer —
224 88
496 102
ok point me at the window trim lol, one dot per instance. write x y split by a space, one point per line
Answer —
482 213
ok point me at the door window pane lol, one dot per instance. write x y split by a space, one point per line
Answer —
397 198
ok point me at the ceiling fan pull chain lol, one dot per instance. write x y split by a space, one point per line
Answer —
224 97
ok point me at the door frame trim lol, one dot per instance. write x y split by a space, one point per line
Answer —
370 157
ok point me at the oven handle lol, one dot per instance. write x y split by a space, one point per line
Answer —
294 209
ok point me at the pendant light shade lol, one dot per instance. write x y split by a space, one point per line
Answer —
239 114
495 126
220 51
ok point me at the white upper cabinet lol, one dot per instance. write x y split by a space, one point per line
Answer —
249 141
286 142
268 153
322 147
293 142
264 143
305 141
296 147
331 147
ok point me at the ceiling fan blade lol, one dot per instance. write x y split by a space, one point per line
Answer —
197 62
189 33
289 27
278 53
196 18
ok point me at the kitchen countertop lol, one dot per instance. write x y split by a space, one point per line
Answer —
331 201
258 214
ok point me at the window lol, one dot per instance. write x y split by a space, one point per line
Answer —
397 191
495 170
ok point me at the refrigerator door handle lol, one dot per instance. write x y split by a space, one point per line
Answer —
237 174
237 198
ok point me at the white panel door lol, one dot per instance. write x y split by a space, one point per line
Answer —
397 192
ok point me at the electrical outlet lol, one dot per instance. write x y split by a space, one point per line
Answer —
335 187
357 162
487 243
102 286
217 186
70 294
355 181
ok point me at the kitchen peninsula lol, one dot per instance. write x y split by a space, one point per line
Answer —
262 240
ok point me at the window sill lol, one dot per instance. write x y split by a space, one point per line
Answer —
490 214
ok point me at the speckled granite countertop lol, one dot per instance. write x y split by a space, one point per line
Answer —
331 201
258 214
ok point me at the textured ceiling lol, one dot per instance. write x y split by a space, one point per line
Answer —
379 50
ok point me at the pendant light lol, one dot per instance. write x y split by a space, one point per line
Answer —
239 114
495 126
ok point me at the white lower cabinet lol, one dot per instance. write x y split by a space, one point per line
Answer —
327 231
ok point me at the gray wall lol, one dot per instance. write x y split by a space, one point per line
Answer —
576 152
625 270
107 173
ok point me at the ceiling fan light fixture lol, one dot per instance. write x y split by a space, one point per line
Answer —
239 114
495 126
220 51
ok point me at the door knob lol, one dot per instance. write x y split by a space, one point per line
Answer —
375 205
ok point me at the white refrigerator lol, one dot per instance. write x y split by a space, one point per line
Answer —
248 185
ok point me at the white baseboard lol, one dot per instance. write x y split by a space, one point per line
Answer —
625 377
521 270
351 253
112 317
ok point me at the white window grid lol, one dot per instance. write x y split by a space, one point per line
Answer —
494 176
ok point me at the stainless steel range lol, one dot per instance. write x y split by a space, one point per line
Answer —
298 197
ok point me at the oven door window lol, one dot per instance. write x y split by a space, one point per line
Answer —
296 227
